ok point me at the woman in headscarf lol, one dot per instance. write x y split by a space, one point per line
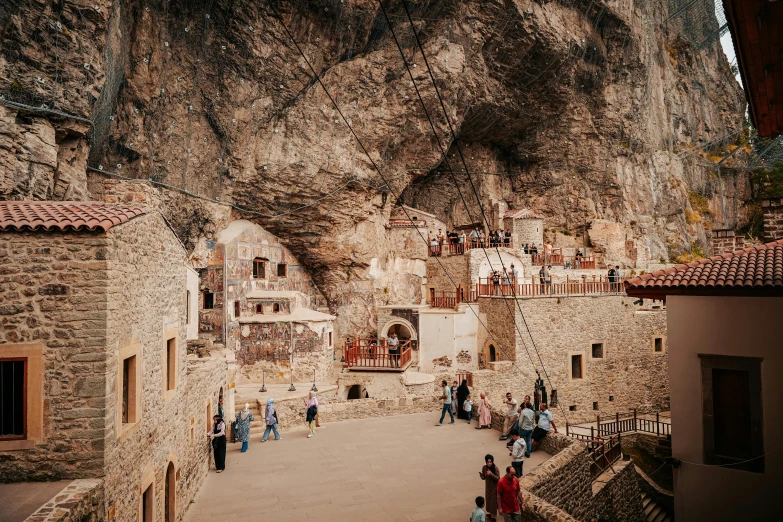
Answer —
218 437
312 410
485 414
462 393
270 417
242 425
490 474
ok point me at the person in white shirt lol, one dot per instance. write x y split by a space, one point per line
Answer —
545 423
517 452
468 407
511 415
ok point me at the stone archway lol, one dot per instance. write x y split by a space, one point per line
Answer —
402 327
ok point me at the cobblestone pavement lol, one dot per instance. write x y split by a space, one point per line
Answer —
401 468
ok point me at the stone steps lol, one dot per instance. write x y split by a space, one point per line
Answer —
653 512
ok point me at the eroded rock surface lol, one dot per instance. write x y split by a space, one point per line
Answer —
578 110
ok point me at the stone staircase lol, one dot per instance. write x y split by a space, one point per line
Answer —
664 448
653 512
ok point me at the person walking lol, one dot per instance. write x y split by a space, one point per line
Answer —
484 412
242 426
270 417
510 501
518 451
490 474
217 435
446 397
527 419
463 392
468 408
312 410
511 415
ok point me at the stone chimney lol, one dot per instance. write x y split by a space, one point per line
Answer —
724 241
122 191
773 219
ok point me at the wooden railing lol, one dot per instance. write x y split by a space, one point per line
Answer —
578 286
631 422
457 248
604 453
371 353
445 299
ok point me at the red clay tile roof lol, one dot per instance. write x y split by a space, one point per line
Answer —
521 213
752 272
50 216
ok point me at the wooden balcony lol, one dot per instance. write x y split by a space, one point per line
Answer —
486 287
371 354
438 249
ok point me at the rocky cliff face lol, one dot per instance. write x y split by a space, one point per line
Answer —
578 110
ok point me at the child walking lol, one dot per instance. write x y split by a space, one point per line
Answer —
468 407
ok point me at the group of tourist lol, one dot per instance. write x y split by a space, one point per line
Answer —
523 429
504 277
217 435
476 238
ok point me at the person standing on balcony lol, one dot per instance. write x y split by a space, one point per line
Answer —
618 278
463 392
548 279
495 283
490 474
611 276
507 239
462 239
446 398
474 237
484 412
511 415
541 279
513 273
394 350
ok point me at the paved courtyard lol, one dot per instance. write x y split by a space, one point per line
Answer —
400 468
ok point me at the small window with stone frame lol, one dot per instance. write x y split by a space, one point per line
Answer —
13 398
658 345
260 309
276 308
577 367
597 350
209 300
282 270
237 308
553 398
259 268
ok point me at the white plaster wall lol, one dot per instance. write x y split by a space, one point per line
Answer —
447 333
735 326
492 261
191 285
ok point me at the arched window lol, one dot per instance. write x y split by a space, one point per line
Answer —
170 494
259 308
276 307
492 355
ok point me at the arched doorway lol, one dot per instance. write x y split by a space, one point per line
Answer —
489 354
405 332
170 492
357 391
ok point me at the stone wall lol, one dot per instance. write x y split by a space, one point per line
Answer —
457 268
628 375
146 257
620 499
79 501
773 219
530 231
52 293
